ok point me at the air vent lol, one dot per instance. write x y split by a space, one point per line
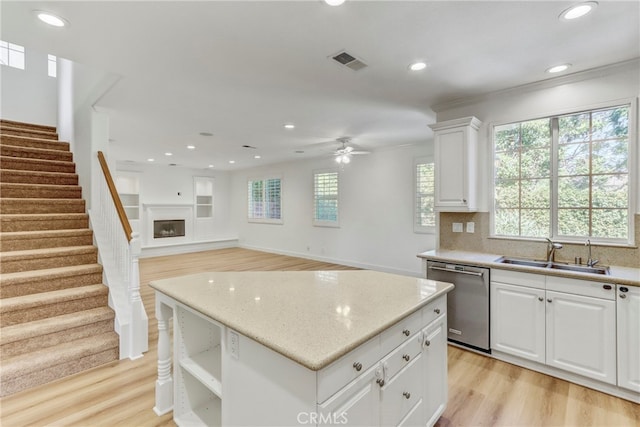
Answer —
349 61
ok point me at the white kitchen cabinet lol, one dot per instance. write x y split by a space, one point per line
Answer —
518 321
564 323
434 353
456 164
580 335
628 323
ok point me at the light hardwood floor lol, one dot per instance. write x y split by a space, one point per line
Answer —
482 391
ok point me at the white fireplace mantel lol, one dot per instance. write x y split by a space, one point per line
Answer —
156 211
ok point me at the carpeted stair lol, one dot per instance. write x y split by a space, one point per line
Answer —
54 314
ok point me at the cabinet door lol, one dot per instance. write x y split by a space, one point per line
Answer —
357 404
518 321
581 335
434 357
450 168
628 322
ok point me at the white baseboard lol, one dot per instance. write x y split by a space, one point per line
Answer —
187 247
364 266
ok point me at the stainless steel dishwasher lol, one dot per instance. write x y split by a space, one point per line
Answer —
467 304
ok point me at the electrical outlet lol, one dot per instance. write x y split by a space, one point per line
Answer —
234 344
471 227
457 227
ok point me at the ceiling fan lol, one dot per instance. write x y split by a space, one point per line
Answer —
344 153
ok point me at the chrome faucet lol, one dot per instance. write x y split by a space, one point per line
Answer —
590 262
551 249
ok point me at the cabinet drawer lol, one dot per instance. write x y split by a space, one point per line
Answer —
434 309
584 288
402 356
342 371
398 333
402 393
518 278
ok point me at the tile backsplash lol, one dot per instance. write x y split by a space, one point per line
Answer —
479 241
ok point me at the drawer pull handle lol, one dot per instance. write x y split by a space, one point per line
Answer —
427 343
407 395
357 366
406 332
406 357
437 311
380 382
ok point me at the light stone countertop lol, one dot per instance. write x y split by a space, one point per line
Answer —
311 317
617 275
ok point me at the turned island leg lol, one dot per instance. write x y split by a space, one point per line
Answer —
164 383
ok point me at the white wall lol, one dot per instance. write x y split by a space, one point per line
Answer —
586 90
376 212
29 95
161 184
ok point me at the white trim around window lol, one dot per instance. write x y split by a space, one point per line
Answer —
264 200
326 198
424 215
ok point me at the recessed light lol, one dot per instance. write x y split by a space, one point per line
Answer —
50 18
417 66
168 154
232 161
210 166
334 2
256 157
558 68
578 10
289 126
191 147
151 160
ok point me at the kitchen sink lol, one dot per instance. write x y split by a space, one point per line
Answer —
522 261
553 265
580 268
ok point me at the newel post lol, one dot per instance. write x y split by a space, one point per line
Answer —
139 322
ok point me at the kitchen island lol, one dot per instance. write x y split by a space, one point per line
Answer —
302 348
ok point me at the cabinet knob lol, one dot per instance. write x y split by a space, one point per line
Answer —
406 332
427 343
357 366
623 296
549 300
407 395
436 311
406 357
380 382
540 299
464 200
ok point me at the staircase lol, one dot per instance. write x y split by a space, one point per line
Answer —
54 314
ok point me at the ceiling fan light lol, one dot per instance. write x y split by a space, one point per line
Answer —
346 159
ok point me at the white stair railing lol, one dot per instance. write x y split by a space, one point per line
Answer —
119 249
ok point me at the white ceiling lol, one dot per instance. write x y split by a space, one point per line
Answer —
242 69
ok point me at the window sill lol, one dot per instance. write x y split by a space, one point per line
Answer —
566 242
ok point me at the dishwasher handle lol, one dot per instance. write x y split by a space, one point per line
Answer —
449 270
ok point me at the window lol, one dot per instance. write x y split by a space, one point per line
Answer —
325 198
264 197
12 55
204 197
424 213
51 66
564 176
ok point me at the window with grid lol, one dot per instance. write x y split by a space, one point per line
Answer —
564 177
424 213
264 200
11 55
325 198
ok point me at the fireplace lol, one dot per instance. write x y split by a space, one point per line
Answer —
168 228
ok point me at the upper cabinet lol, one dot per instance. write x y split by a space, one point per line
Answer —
456 169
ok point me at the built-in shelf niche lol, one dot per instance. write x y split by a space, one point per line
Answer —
128 187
